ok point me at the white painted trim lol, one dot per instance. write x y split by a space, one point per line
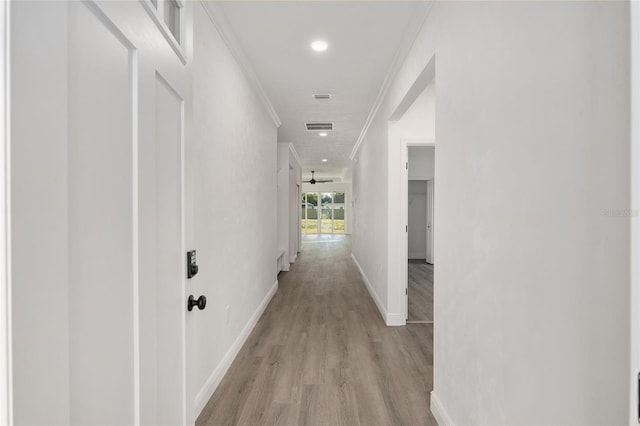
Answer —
409 37
135 243
164 30
419 142
183 244
439 412
6 380
293 151
218 373
395 320
293 258
635 212
219 21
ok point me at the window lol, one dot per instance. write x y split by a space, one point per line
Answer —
323 212
172 12
168 17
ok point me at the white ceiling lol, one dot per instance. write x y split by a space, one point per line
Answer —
363 37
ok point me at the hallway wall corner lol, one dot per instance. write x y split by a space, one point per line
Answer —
390 319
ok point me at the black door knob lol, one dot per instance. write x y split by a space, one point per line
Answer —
200 302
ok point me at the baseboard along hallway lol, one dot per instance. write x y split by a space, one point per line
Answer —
321 354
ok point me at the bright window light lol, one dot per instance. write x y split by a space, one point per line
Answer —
319 45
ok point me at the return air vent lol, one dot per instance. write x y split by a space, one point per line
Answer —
312 127
322 96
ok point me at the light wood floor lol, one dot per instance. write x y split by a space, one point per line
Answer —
420 290
321 354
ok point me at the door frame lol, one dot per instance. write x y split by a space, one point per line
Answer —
634 376
430 197
404 206
6 415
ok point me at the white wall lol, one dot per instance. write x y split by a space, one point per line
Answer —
417 219
40 335
419 120
533 144
421 162
289 175
345 187
5 387
635 211
233 158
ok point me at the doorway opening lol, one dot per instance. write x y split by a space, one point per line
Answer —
420 226
322 213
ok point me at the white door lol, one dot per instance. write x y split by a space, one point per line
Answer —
430 221
97 119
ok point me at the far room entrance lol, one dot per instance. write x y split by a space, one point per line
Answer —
322 213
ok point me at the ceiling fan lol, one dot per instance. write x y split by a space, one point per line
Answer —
313 180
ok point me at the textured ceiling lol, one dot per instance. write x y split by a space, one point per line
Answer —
363 37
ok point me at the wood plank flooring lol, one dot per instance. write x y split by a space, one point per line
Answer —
321 354
420 290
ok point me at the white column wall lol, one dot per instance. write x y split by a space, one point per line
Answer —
532 283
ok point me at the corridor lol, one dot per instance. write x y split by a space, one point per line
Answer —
321 354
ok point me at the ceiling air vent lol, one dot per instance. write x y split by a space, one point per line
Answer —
312 127
322 96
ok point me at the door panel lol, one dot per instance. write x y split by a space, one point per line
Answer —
168 349
39 216
100 219
97 206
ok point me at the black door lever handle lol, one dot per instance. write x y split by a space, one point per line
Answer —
200 302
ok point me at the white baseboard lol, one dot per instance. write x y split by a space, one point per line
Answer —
293 258
389 319
438 411
394 320
218 373
285 267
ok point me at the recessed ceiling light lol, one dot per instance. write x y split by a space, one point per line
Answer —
322 134
324 160
319 45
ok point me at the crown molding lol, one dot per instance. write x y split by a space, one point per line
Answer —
293 151
220 22
408 39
